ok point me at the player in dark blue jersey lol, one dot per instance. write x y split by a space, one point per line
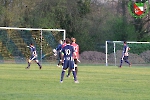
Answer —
33 56
68 52
58 49
125 54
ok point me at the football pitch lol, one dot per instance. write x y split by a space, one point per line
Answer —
96 83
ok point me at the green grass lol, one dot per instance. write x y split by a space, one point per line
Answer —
96 83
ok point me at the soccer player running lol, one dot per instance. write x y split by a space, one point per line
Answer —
125 54
75 57
33 56
67 53
58 49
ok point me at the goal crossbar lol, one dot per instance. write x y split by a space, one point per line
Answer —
15 28
127 42
35 29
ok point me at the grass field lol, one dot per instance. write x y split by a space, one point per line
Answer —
96 83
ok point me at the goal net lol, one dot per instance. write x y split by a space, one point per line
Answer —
14 42
138 54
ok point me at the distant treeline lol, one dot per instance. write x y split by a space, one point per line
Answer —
90 22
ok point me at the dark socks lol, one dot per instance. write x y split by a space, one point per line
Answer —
29 64
121 63
127 62
62 75
76 70
39 64
74 75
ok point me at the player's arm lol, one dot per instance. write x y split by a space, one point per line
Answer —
74 52
76 56
126 52
78 51
58 47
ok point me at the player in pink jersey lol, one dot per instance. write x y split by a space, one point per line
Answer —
76 56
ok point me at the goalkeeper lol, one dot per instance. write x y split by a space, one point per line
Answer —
125 54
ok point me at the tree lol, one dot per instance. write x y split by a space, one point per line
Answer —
15 13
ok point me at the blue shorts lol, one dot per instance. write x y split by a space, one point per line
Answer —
125 58
68 64
33 57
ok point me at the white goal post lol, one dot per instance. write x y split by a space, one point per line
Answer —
63 31
114 48
36 29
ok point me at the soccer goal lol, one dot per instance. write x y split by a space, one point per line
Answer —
14 42
137 54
